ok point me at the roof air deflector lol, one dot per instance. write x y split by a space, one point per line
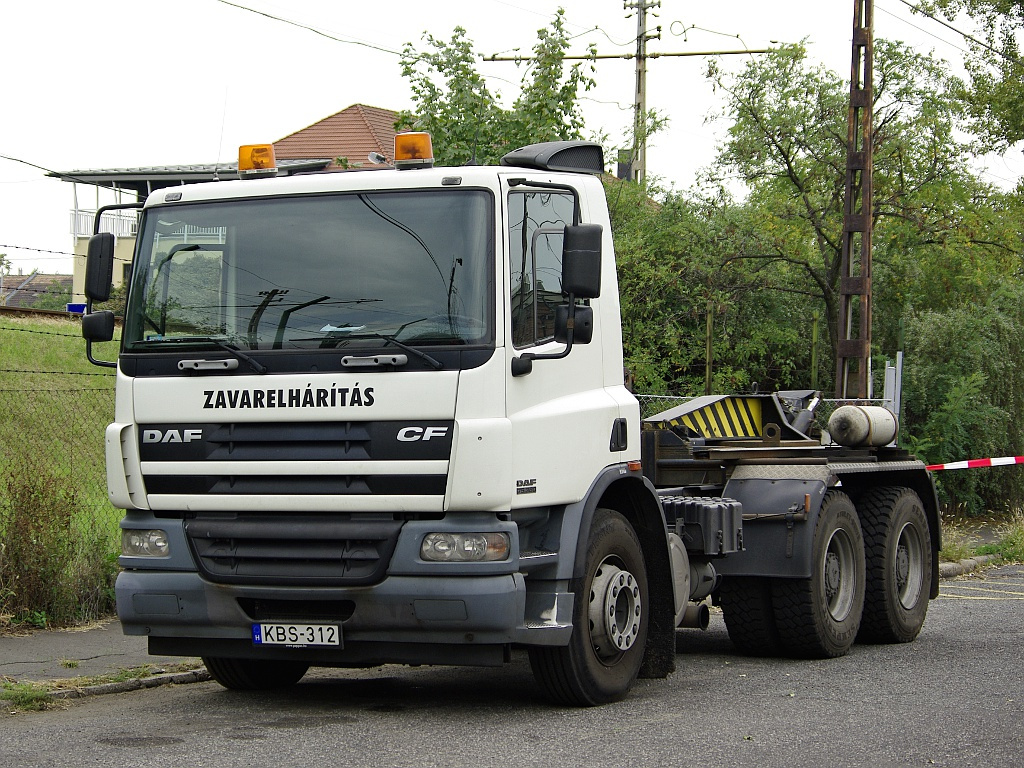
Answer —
570 156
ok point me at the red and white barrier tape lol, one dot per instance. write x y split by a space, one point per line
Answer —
972 463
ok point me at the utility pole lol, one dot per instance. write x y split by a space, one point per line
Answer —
853 350
638 167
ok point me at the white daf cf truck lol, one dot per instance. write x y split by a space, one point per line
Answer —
379 417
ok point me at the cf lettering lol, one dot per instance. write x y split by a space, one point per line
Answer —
412 434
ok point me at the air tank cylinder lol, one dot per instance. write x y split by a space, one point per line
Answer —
859 426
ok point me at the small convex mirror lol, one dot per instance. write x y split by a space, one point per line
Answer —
98 326
583 324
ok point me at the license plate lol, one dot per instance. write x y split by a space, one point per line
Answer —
296 635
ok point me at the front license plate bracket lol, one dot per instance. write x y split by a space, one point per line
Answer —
292 635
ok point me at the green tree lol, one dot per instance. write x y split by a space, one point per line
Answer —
56 296
787 142
680 284
963 394
995 99
467 122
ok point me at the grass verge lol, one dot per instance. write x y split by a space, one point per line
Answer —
36 697
25 697
962 539
1011 540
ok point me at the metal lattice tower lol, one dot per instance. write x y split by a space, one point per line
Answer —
853 351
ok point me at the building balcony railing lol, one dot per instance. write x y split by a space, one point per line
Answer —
126 224
120 223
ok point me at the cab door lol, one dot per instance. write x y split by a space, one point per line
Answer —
562 416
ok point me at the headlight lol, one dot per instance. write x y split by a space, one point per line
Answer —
144 543
465 547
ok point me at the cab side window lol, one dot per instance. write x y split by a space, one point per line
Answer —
536 224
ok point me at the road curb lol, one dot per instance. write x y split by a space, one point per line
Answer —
176 678
951 570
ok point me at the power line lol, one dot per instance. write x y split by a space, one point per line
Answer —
308 28
922 30
37 250
54 391
63 176
1002 54
60 291
44 333
47 258
54 373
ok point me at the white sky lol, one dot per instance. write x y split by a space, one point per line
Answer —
124 83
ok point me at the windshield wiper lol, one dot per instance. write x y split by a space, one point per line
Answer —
254 364
433 362
389 338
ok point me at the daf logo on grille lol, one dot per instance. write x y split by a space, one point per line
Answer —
412 434
171 435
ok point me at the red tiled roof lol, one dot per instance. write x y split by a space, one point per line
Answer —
22 291
353 133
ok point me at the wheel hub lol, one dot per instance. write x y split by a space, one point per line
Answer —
615 610
909 565
838 578
902 566
833 575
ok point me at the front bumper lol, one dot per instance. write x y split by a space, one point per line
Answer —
404 619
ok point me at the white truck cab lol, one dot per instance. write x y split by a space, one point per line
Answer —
364 417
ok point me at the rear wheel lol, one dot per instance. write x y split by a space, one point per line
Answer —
819 617
747 609
254 674
899 565
610 621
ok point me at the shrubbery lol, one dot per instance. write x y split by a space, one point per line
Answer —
53 568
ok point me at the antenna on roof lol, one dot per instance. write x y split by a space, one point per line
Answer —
220 141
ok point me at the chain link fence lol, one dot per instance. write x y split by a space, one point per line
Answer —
653 404
59 536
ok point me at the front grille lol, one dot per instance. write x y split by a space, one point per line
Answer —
292 549
291 485
239 458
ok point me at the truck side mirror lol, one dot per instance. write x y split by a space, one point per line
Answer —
98 326
581 261
99 266
583 324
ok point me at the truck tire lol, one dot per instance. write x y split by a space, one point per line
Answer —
253 674
897 545
747 608
610 621
818 617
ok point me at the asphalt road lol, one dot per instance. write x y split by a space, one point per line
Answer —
955 697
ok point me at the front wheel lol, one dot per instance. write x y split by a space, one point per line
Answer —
610 621
253 674
819 617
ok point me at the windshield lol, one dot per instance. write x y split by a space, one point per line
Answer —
315 272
